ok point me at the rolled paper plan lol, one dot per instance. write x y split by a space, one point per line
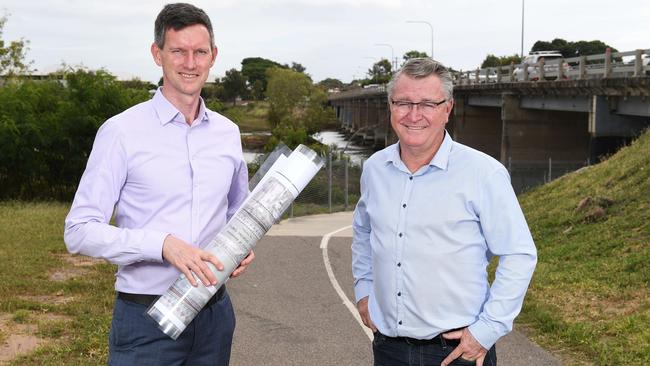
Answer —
279 187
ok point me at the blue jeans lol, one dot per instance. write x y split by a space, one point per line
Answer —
136 340
390 352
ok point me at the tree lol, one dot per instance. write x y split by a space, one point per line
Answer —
254 69
234 85
573 49
47 130
414 54
330 84
286 90
12 55
298 67
297 107
496 61
136 83
380 73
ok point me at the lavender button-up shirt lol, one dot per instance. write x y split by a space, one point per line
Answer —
161 176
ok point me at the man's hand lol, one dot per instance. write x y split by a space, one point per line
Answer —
469 348
242 266
189 259
362 306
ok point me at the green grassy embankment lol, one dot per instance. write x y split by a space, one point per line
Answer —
590 296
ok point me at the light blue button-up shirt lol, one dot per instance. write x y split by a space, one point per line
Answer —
422 243
161 176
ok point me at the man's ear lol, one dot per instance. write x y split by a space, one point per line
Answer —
450 105
155 52
214 55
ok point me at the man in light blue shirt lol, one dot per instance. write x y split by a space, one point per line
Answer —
173 172
431 215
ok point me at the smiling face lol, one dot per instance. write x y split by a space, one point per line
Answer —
420 130
186 59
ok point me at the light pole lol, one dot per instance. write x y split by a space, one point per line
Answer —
392 53
430 26
522 30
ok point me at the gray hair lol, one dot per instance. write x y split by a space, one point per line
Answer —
178 16
418 68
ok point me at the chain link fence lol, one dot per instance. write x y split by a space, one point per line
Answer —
335 188
525 175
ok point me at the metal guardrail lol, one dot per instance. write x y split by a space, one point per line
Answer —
575 68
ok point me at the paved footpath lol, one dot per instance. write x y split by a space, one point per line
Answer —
294 305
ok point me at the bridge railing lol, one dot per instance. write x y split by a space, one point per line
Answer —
610 64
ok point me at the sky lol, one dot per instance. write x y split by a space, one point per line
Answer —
331 38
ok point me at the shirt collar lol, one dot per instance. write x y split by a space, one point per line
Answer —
439 160
167 112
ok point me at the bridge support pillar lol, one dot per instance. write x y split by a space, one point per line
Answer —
477 127
539 145
609 130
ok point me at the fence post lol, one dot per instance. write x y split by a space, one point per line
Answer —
329 185
291 215
345 162
582 68
550 170
638 63
608 62
510 165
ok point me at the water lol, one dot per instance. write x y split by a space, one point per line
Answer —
356 152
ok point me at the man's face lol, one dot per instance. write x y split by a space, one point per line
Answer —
419 128
186 60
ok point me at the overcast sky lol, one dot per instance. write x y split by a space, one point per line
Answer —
331 38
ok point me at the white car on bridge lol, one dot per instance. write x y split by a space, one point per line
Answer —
551 60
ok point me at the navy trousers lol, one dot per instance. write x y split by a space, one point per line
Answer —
391 352
136 340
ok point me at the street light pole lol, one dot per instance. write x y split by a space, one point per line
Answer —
522 29
392 53
430 26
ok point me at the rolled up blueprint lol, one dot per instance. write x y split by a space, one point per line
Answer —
286 178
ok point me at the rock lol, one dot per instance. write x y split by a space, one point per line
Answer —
584 203
595 214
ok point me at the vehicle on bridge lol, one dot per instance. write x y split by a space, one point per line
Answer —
548 60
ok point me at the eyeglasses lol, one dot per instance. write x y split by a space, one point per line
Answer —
425 107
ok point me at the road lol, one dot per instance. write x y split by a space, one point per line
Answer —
289 312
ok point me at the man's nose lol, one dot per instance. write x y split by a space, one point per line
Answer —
414 113
190 60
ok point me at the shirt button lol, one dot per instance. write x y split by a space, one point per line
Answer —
410 178
400 235
400 322
399 294
404 205
399 264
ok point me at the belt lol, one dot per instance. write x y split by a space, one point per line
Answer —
147 300
439 340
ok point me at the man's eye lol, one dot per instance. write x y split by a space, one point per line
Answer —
403 104
427 105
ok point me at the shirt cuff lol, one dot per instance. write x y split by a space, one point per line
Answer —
362 289
484 334
152 246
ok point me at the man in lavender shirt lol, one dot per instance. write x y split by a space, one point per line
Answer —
172 173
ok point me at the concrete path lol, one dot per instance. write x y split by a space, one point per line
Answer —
295 306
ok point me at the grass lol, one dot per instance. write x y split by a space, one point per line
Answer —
31 250
252 117
590 296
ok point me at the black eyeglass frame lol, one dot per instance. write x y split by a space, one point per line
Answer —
419 104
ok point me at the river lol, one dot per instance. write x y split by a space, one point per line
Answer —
356 152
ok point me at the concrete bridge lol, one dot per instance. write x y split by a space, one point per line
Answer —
538 129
